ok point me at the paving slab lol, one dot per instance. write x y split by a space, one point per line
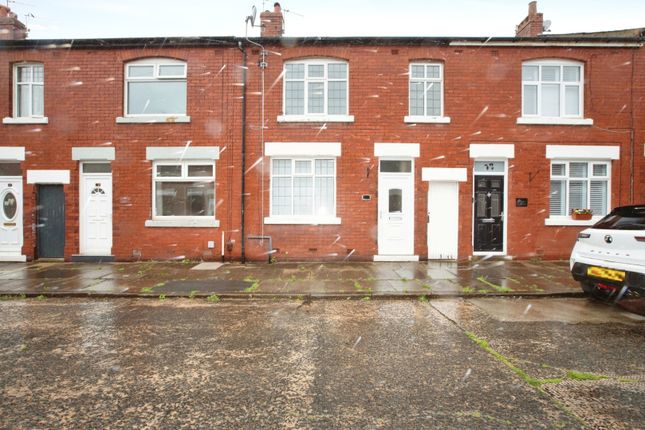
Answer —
207 266
349 279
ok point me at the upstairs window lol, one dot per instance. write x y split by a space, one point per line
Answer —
552 89
155 87
29 91
316 89
426 89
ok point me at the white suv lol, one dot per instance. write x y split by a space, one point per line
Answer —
608 259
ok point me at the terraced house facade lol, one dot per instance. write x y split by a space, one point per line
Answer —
316 148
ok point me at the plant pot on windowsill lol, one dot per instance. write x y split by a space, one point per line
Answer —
581 216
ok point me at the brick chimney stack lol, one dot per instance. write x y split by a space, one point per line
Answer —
532 25
10 27
272 22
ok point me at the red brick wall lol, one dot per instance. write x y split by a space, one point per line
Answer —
483 98
638 104
84 96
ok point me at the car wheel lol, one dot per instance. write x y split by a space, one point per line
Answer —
588 288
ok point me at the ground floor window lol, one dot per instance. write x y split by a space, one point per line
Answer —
579 185
184 189
303 187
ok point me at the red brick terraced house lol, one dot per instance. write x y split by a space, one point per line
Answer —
316 148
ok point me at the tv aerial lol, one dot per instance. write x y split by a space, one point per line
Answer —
546 27
251 18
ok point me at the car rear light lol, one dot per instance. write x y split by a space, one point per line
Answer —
640 238
584 235
606 287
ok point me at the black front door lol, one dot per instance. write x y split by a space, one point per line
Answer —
489 213
50 225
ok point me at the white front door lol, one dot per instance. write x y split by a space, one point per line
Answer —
396 208
11 219
96 213
443 220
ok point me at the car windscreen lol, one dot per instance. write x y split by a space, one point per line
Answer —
629 218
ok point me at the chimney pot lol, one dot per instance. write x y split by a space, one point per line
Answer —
272 22
532 25
533 8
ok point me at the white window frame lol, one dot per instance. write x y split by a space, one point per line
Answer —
566 218
31 118
325 116
425 118
156 63
303 219
563 118
180 220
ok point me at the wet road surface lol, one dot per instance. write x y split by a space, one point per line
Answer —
452 363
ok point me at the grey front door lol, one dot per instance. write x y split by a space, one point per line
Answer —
50 225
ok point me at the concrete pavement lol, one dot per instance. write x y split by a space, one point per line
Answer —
289 280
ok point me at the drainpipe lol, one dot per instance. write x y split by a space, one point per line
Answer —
632 154
242 199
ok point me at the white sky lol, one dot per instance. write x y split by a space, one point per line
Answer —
54 19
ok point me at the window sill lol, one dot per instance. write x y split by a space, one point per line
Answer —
316 118
153 119
567 221
427 120
25 120
302 220
554 121
208 222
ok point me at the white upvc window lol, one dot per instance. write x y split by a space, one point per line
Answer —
553 92
183 189
316 90
303 190
580 185
426 95
155 87
29 91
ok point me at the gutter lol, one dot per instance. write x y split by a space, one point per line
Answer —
549 44
243 169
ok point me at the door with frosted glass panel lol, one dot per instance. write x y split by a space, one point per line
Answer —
396 208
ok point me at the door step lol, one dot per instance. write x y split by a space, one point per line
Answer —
93 258
13 258
396 258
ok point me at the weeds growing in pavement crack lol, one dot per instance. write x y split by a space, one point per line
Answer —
498 288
